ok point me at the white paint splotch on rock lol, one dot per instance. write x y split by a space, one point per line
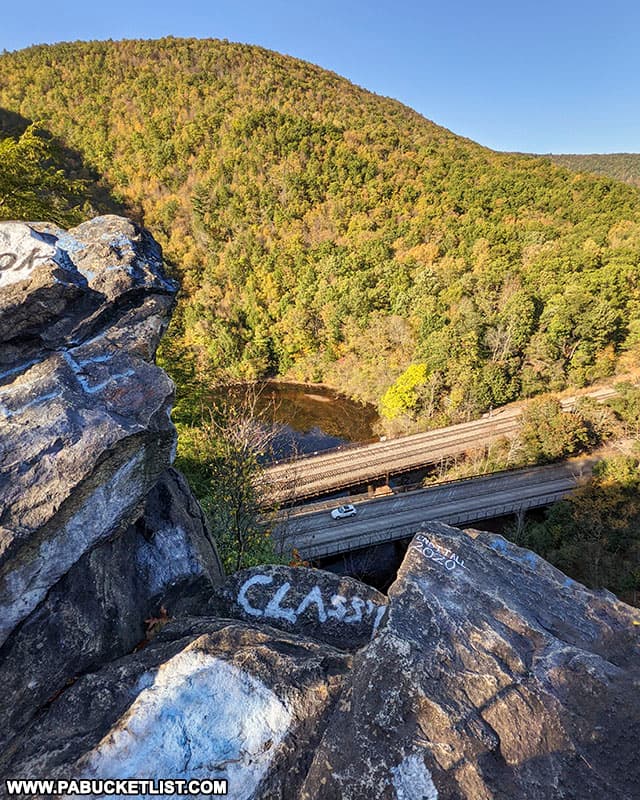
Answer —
412 780
197 717
206 698
96 612
22 250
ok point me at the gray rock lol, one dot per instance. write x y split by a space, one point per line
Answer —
60 288
207 699
176 559
37 283
338 610
97 611
496 677
84 413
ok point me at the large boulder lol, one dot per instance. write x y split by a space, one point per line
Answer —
495 678
208 699
61 288
84 413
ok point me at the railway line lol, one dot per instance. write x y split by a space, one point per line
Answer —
325 473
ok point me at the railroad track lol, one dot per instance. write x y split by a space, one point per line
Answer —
371 461
315 475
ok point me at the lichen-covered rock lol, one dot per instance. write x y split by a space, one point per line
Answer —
162 565
338 610
84 413
207 699
494 678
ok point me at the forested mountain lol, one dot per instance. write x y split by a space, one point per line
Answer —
621 166
328 234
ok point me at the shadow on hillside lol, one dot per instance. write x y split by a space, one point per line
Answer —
99 191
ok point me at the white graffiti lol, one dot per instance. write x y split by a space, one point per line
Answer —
438 554
21 250
348 610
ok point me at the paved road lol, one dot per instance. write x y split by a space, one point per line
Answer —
329 472
316 535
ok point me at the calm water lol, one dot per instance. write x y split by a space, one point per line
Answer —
311 418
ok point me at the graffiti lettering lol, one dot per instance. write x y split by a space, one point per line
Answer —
341 608
439 555
9 261
14 268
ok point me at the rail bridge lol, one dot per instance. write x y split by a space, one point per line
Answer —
312 531
329 472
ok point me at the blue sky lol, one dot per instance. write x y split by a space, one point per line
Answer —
540 76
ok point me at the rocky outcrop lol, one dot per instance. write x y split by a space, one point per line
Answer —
495 677
95 534
491 675
101 284
85 415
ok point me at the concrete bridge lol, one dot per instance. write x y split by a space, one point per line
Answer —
326 473
312 531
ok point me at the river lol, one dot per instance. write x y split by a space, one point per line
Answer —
310 418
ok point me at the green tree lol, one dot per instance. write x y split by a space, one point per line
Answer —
594 536
547 433
222 459
627 406
33 186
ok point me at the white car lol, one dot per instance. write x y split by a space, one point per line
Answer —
344 511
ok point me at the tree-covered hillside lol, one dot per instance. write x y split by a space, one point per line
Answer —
325 233
621 166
